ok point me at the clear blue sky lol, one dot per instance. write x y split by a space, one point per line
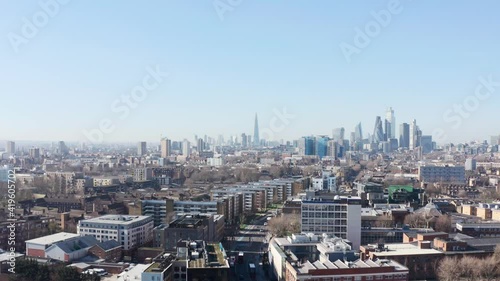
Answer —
262 55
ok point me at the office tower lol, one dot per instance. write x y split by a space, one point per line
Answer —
404 135
426 144
141 148
249 140
244 140
176 146
132 231
413 134
34 153
186 148
389 117
307 146
340 217
200 145
10 147
332 148
256 138
62 148
418 138
166 147
394 144
378 131
495 140
387 130
321 146
338 135
358 132
220 140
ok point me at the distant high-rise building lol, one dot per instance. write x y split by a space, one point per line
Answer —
62 148
495 140
338 135
10 147
426 144
220 140
307 145
389 117
256 137
352 140
34 152
176 146
166 147
418 138
378 131
186 148
200 145
413 135
387 130
322 146
358 132
244 140
332 148
404 135
141 148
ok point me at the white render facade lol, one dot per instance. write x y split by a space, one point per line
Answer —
340 217
129 231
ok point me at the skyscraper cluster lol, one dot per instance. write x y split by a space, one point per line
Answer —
384 138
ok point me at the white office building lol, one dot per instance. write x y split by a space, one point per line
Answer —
340 217
130 231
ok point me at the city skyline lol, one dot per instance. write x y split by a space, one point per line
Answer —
379 134
300 69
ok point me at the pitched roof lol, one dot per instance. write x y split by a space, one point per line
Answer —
109 245
75 245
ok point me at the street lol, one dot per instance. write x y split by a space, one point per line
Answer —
252 242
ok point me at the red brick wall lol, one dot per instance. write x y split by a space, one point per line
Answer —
35 253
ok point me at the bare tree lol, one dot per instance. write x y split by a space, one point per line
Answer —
467 266
488 269
415 221
284 225
443 224
448 269
496 254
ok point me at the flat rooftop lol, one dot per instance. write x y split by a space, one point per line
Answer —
54 238
306 267
215 258
401 249
117 219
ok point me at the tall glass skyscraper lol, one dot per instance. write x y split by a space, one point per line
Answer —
404 135
256 138
322 146
358 133
389 117
378 131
